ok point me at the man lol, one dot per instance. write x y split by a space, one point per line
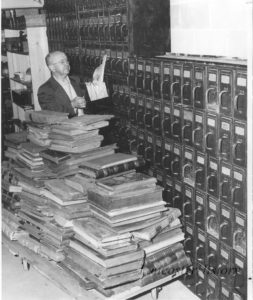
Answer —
61 93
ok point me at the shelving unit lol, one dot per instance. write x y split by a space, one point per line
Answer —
20 62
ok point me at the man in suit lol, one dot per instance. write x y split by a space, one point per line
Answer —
60 92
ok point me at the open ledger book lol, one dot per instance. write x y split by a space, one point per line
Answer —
97 88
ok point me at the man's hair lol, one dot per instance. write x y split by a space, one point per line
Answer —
49 56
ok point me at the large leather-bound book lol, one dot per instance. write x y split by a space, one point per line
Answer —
172 237
59 188
55 156
108 161
127 181
85 120
151 231
125 214
88 171
95 143
32 148
163 262
151 259
110 249
60 201
79 142
172 268
107 262
103 282
47 116
84 262
96 232
108 202
15 139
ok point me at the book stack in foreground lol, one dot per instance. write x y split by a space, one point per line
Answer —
126 200
133 239
105 256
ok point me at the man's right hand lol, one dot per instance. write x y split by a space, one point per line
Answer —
78 102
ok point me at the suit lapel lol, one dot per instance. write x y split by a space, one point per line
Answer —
61 95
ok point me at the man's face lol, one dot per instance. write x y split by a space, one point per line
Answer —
59 64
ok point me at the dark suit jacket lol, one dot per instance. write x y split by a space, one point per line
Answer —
52 96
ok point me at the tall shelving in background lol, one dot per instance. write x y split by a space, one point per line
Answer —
26 50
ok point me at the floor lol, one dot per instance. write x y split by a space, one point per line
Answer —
18 284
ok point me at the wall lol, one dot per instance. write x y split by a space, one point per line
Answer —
8 4
211 27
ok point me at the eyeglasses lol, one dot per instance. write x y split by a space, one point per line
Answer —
63 61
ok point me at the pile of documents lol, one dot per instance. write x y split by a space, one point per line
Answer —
13 142
39 134
78 134
106 257
65 164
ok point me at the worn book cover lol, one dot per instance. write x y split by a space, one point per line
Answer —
108 161
107 202
78 149
96 269
150 259
61 190
96 232
55 156
107 262
172 268
126 181
148 233
154 246
111 249
129 221
48 116
129 213
60 201
103 282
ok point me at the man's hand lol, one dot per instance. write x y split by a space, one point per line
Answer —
78 102
98 75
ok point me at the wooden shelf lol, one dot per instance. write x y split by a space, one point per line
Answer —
18 52
28 84
22 91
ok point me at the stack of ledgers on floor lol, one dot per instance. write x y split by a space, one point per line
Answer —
65 164
13 142
116 231
43 214
10 189
57 132
133 238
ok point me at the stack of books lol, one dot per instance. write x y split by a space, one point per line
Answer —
39 134
11 226
62 194
103 255
30 157
48 117
10 188
29 166
65 164
110 164
78 134
164 254
13 142
38 219
126 200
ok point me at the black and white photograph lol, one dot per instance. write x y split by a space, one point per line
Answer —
126 149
